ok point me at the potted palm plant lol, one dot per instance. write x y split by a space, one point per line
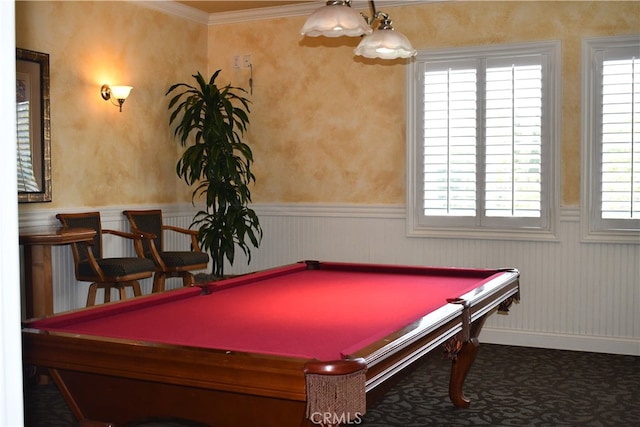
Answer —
211 121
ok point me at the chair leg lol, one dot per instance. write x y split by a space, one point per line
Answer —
135 287
158 282
122 290
137 291
91 297
188 279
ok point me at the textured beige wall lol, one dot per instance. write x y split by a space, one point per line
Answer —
327 127
101 157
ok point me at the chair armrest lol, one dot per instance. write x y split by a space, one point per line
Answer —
134 235
180 229
152 247
193 233
144 234
137 236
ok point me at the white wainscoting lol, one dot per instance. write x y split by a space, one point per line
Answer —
575 296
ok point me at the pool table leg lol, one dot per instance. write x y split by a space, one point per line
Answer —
462 362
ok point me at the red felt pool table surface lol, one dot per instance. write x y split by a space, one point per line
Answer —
292 311
254 340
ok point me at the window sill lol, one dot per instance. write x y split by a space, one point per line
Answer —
488 234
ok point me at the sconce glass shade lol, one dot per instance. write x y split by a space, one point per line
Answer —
120 92
385 44
334 20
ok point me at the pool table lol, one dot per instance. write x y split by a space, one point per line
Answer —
305 344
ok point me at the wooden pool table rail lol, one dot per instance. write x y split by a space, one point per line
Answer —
410 344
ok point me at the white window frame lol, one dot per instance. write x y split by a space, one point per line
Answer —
594 228
510 228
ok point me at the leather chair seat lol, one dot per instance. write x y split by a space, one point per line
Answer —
118 267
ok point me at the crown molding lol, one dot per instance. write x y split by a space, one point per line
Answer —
301 9
174 8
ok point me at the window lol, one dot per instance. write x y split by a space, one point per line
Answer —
481 141
611 130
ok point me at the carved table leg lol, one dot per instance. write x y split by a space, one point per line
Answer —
461 364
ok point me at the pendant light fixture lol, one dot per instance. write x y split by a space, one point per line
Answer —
385 42
337 19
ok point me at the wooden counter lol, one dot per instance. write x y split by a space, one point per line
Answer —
37 244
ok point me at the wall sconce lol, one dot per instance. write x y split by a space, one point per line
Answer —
338 19
120 93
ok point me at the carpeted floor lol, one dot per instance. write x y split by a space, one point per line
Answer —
508 386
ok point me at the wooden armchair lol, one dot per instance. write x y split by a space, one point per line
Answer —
168 263
104 273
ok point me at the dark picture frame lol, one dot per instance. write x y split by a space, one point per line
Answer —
33 137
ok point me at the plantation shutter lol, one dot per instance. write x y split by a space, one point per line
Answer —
513 137
450 135
620 135
482 139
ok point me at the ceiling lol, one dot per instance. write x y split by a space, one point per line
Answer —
234 6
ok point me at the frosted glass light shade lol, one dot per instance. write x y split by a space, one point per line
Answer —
335 20
120 92
385 44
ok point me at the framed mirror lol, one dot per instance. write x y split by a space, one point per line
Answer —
34 128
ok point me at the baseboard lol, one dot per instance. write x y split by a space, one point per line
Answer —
595 344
